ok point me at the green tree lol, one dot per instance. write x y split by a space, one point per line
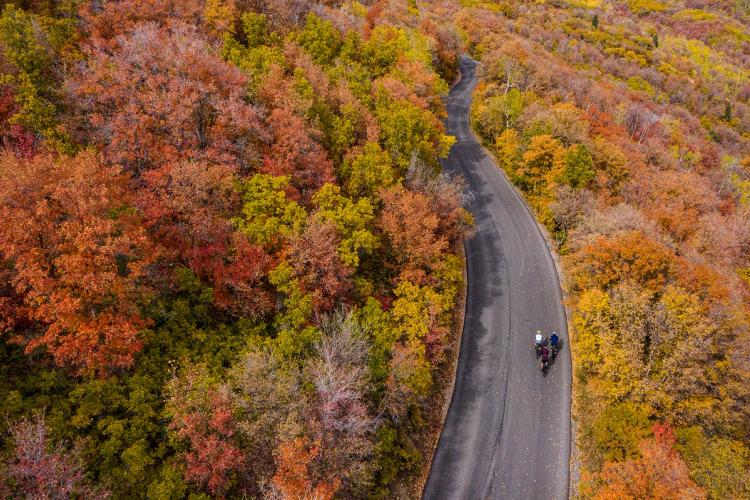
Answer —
255 29
718 464
295 337
376 322
268 215
351 218
368 171
578 170
506 107
382 49
727 111
32 46
413 313
407 130
618 430
321 40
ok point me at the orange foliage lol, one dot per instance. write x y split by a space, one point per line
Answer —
293 478
107 20
75 252
413 229
659 473
631 256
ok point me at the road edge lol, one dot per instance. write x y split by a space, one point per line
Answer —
447 392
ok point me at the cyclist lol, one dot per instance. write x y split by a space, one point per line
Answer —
538 341
545 357
554 341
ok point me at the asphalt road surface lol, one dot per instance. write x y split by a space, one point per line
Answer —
507 432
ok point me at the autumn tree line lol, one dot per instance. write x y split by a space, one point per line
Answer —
625 124
228 258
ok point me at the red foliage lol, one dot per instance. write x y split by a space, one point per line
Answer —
240 284
315 259
74 253
187 205
14 137
212 456
188 105
295 153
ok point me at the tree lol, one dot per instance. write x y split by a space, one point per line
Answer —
320 39
107 21
186 206
543 155
220 16
408 130
367 170
382 49
202 416
268 214
77 254
718 464
447 195
255 29
32 48
632 256
578 169
413 230
317 264
727 116
505 109
293 478
241 281
188 106
36 469
659 473
351 218
343 425
618 431
570 207
295 154
267 392
507 146
414 315
296 334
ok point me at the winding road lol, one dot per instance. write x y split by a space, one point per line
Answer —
507 432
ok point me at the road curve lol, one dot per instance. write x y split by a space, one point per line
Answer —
507 432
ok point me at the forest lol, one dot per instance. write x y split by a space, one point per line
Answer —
229 263
626 124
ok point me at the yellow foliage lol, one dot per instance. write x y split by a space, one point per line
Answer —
646 6
585 4
220 15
